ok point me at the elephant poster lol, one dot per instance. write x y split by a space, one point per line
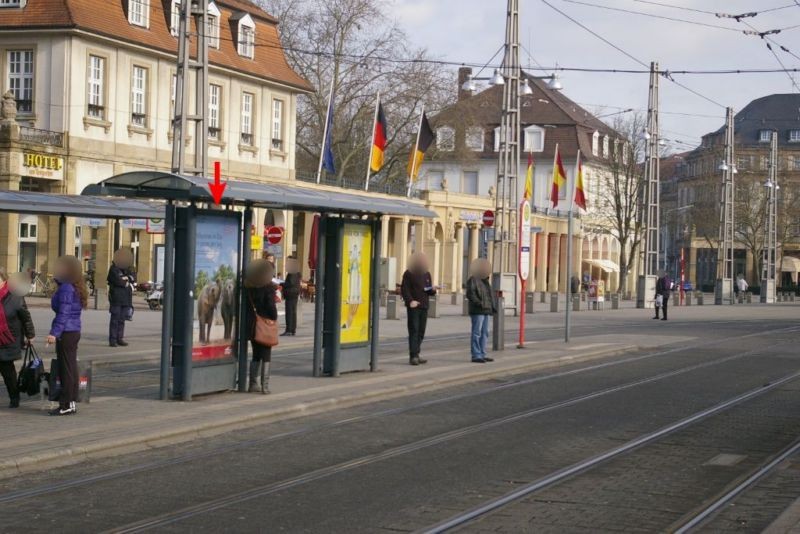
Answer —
356 262
216 263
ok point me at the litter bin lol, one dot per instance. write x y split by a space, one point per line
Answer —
687 298
699 298
553 302
433 308
749 297
392 307
576 302
529 300
543 297
615 301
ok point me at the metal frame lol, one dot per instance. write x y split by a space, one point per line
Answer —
770 251
725 251
651 208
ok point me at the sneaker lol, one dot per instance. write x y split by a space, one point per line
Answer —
122 343
488 359
14 402
65 411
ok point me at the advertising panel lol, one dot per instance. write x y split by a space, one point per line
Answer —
356 262
216 262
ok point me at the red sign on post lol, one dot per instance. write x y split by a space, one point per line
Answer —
488 218
274 235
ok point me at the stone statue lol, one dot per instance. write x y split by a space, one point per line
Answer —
444 184
8 111
491 191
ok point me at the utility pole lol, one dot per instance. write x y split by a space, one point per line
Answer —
651 206
505 235
724 288
770 253
187 63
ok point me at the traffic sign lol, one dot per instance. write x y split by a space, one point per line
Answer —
274 235
488 218
524 240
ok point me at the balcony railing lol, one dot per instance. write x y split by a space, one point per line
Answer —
41 137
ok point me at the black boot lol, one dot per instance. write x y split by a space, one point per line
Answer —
14 402
265 378
254 385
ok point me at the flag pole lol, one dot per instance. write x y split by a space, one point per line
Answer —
567 324
414 153
372 140
325 133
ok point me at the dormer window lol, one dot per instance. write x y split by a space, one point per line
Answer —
213 26
245 34
764 136
596 144
445 139
794 136
474 139
534 139
605 146
139 12
12 3
499 138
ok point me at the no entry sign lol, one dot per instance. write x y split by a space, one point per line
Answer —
274 235
488 218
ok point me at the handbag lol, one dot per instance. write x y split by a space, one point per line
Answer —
659 301
266 330
31 374
129 313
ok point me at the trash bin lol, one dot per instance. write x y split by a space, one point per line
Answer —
576 302
615 301
749 297
455 298
553 302
529 300
687 298
433 308
699 298
676 298
392 307
543 297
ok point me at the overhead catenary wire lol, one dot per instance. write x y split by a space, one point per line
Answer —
715 13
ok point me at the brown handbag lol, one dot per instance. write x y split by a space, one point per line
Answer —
266 330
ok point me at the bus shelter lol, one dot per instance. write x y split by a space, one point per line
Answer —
205 258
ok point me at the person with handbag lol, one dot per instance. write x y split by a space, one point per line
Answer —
416 289
663 292
261 320
481 307
69 300
291 295
121 282
16 331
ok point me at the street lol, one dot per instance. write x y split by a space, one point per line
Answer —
641 441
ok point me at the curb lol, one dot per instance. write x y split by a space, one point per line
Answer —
15 466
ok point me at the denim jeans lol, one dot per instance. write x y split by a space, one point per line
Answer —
480 335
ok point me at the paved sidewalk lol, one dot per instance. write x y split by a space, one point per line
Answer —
788 522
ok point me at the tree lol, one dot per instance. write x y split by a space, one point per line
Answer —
352 44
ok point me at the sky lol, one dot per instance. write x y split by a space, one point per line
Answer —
472 30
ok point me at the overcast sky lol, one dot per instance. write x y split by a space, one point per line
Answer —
472 30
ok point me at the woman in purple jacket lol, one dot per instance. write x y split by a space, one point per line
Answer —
69 299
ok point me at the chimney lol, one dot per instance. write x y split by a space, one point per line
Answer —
463 74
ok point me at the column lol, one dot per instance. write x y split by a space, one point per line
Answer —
384 236
540 262
9 180
562 262
401 245
458 265
691 267
474 241
554 262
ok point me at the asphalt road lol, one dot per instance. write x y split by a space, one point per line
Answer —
640 442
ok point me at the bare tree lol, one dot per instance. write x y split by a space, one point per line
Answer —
354 46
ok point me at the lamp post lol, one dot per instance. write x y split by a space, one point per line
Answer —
770 252
724 287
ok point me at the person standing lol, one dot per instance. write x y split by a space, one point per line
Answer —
121 282
260 295
291 295
663 290
16 331
68 301
481 307
416 290
741 285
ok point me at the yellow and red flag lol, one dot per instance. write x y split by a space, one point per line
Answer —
580 193
559 179
527 194
378 140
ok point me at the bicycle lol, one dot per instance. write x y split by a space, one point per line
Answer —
44 287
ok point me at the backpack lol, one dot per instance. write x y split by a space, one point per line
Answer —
30 377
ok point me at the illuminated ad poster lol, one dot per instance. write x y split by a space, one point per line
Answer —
216 261
356 263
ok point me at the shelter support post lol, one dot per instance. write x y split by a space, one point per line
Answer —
169 296
243 335
375 290
117 235
319 297
62 235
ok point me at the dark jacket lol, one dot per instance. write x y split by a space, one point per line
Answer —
120 289
67 304
291 286
414 287
263 300
664 287
20 324
480 297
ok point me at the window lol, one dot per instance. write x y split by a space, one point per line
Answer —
214 99
499 138
434 180
213 25
247 119
596 144
175 17
139 12
246 36
445 139
762 163
605 146
474 139
96 87
20 78
173 88
743 163
794 136
764 136
277 124
139 97
27 230
534 139
10 3
469 183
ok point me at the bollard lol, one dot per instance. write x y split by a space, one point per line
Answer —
740 297
543 297
615 301
465 307
433 307
100 298
529 300
498 328
553 302
749 297
687 298
384 295
791 296
699 298
454 298
392 307
676 298
576 303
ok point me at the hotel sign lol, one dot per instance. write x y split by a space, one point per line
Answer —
45 166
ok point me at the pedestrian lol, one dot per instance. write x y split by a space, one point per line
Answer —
68 301
741 285
16 332
121 282
416 290
663 292
260 295
291 295
481 307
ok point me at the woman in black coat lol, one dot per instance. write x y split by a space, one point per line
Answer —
16 331
121 282
260 295
291 294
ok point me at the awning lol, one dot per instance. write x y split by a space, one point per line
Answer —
790 264
290 195
78 206
607 266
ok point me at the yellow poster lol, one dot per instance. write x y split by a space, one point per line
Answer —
356 265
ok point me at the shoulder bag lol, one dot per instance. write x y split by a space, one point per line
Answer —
266 330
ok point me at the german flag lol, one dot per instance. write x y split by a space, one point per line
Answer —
378 140
424 140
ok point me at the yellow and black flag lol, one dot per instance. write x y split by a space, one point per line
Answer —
424 140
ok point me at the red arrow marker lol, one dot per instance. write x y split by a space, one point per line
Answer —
216 187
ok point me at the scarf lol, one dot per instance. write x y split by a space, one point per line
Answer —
6 337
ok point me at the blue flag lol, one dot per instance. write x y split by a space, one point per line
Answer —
327 150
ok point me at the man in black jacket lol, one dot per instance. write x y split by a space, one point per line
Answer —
291 294
664 290
121 282
416 289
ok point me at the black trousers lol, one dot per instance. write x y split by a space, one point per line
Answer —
9 373
291 315
417 321
67 354
664 306
116 327
260 352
